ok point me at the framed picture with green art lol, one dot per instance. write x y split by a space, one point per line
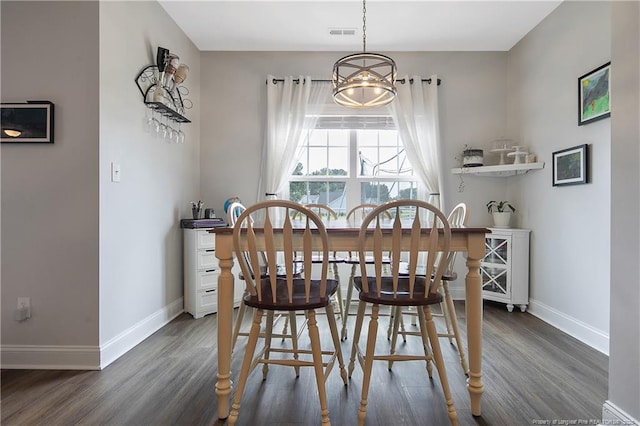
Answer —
594 90
570 166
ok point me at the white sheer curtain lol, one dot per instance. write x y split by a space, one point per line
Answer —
415 111
292 106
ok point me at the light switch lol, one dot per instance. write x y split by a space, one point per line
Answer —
115 172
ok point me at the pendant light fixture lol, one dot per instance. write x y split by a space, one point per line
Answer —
363 80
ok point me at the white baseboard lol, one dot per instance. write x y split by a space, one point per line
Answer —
613 415
50 357
457 293
587 334
128 339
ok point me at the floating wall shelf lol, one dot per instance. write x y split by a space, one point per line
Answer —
504 170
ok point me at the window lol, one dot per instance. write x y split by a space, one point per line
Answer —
346 161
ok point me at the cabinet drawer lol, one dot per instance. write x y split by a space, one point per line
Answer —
205 240
206 259
207 280
207 301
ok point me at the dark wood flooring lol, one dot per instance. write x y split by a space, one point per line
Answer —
531 370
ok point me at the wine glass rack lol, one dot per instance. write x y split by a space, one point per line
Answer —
172 105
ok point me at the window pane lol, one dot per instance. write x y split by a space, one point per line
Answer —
381 192
388 138
339 137
368 161
317 161
373 192
331 194
382 154
339 161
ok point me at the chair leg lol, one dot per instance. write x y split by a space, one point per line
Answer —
356 335
246 365
347 306
294 339
368 363
336 275
447 319
267 343
284 328
316 351
451 309
395 316
336 341
439 361
425 342
238 324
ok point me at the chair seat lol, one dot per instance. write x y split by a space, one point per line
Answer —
299 301
402 298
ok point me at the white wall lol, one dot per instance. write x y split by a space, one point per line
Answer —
140 238
50 191
624 360
570 244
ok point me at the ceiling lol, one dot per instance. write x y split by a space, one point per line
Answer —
304 25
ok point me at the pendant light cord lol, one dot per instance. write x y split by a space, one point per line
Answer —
364 25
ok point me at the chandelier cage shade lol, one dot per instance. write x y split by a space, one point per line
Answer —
364 80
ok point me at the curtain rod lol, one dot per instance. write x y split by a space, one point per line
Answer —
402 80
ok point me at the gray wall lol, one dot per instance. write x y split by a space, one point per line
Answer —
570 224
101 261
624 360
50 191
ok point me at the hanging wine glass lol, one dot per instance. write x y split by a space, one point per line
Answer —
173 135
148 123
180 137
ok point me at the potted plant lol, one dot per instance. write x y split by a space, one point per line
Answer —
501 211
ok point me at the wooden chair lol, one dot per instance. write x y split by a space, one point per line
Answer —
355 216
457 219
269 292
234 211
327 214
410 235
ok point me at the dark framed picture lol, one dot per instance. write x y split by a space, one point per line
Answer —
30 122
594 88
570 166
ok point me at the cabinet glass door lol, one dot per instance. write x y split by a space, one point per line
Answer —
495 266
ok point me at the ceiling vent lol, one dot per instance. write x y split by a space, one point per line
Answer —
342 31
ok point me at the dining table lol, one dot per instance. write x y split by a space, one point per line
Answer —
343 237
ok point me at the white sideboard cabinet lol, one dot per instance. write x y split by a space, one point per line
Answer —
201 273
505 267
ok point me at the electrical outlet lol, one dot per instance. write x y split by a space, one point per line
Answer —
24 309
24 302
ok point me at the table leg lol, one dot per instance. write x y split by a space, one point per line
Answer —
224 252
473 307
